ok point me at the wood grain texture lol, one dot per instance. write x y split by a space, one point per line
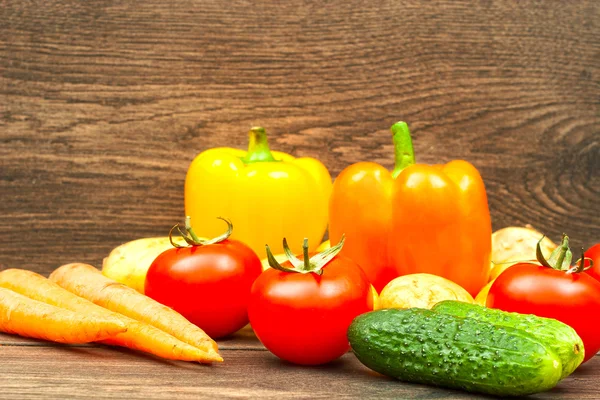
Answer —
104 104
57 372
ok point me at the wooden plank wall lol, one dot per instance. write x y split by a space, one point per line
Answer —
103 104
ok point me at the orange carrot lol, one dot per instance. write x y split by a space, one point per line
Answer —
145 337
27 317
36 287
139 336
88 282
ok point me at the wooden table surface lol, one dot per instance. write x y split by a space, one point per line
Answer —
103 105
32 369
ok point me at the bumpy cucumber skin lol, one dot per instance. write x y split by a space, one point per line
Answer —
423 346
559 337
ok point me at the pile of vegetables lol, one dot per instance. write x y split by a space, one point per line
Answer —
415 282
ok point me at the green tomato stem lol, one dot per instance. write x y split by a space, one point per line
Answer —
190 230
564 254
561 257
580 264
306 259
190 237
313 264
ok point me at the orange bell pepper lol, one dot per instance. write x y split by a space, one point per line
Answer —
417 219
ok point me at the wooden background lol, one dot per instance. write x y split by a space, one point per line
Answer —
103 104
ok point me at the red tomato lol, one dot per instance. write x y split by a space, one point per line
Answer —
594 253
303 318
573 299
209 285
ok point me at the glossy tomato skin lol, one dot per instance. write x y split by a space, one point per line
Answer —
594 253
573 299
303 318
209 285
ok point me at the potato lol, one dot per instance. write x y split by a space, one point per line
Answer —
515 244
518 244
129 262
421 290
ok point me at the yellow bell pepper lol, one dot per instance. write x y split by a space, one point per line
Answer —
267 195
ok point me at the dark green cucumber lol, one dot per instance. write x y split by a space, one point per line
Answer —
423 346
561 338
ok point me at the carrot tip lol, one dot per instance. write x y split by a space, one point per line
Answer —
213 356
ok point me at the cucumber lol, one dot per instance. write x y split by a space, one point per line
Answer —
561 338
424 346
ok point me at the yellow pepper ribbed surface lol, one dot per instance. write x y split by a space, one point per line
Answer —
267 195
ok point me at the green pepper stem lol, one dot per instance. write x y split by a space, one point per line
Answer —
258 147
404 154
